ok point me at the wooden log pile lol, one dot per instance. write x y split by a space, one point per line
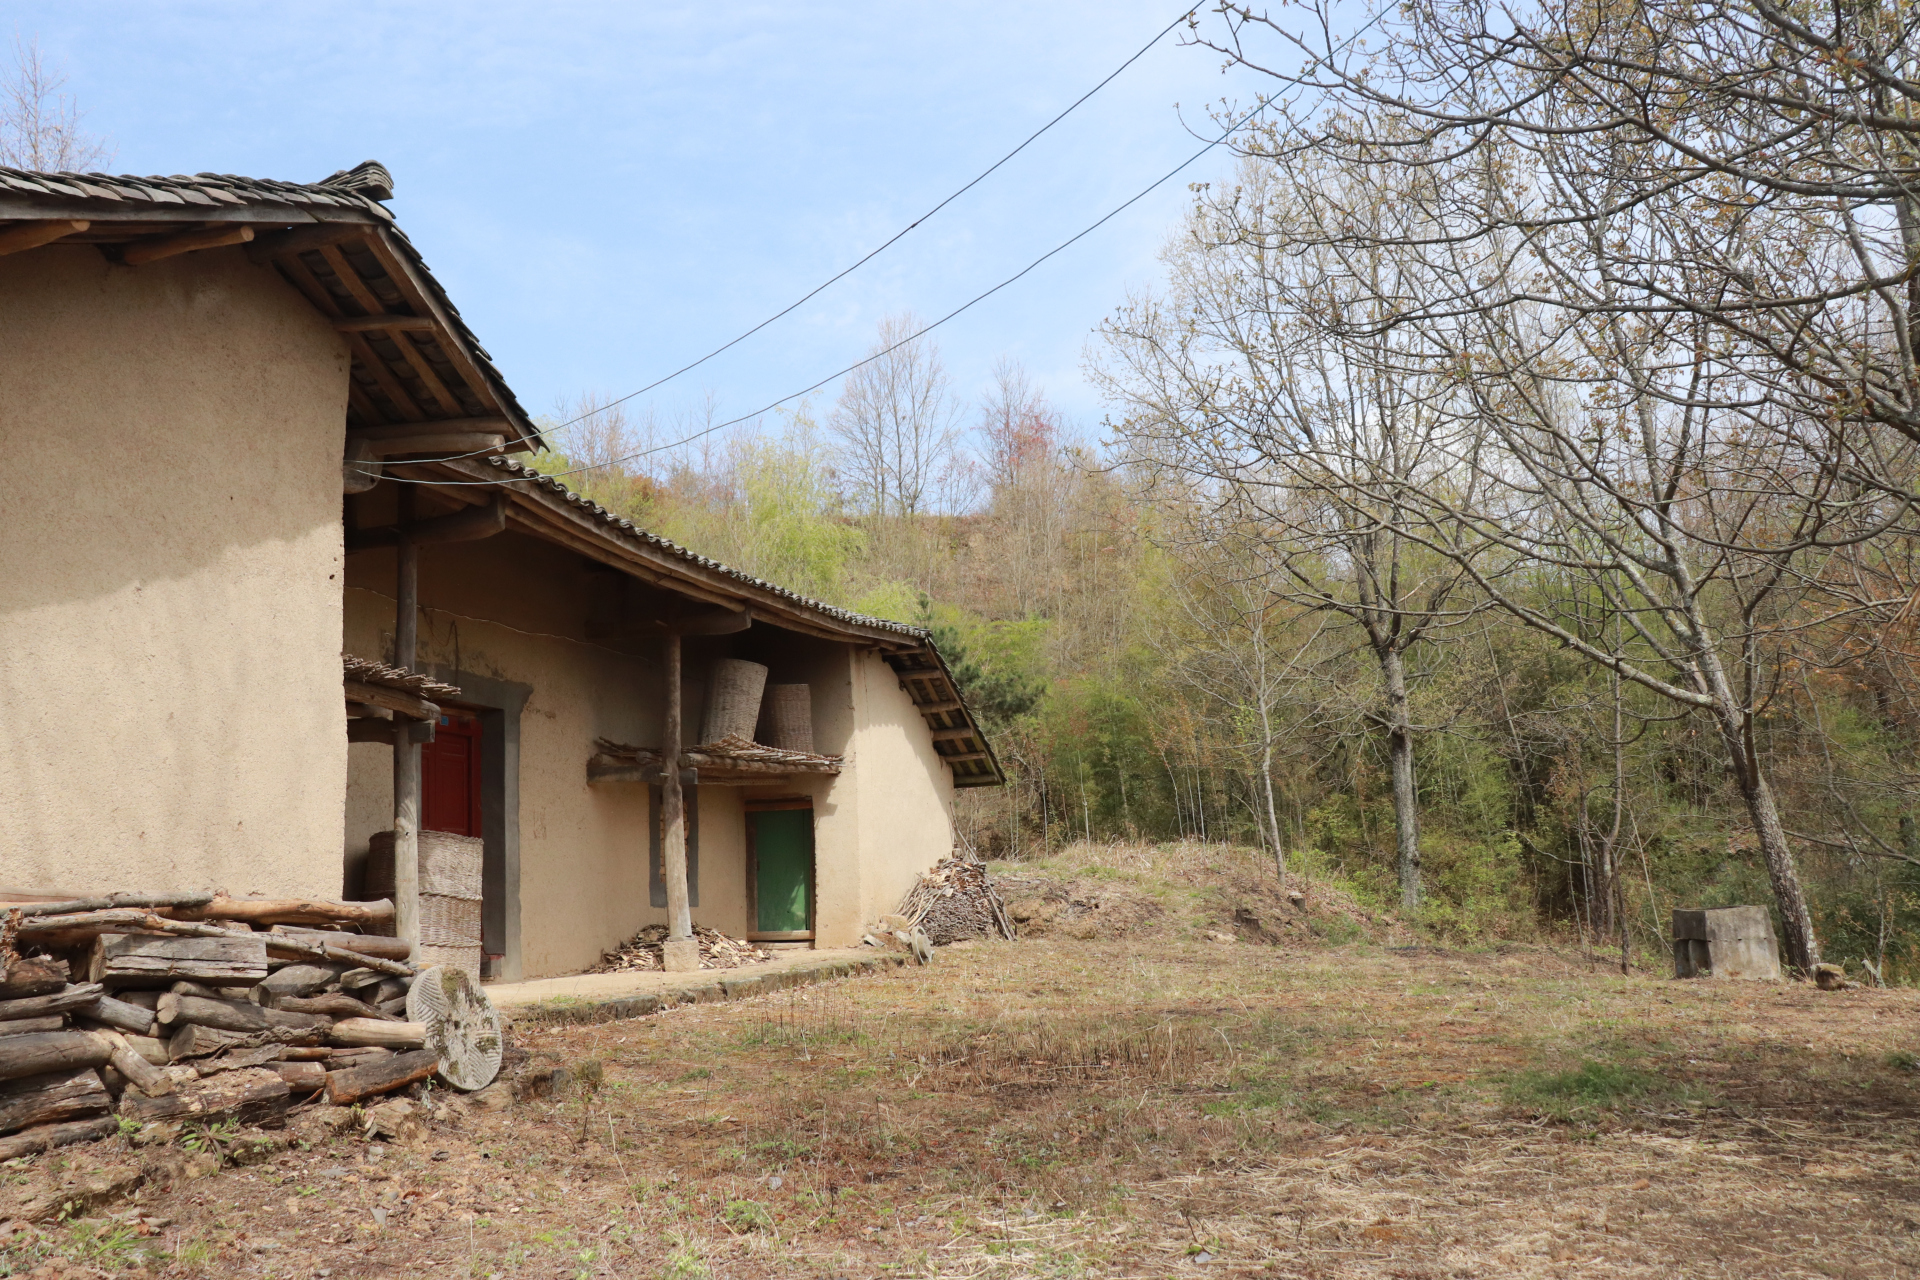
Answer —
196 1006
643 951
956 900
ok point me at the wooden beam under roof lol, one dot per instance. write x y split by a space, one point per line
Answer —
421 300
372 304
323 301
31 235
141 252
363 324
269 247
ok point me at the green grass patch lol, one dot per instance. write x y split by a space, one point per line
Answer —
1592 1086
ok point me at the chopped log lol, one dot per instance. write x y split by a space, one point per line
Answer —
204 992
195 1041
351 1084
240 1059
27 1026
336 1005
337 1058
362 944
232 1015
358 1032
293 911
307 1053
302 1077
360 979
296 980
152 1048
49 1136
121 1015
41 1052
32 976
255 1095
287 946
393 1008
58 1002
218 961
51 1097
112 900
148 999
140 1073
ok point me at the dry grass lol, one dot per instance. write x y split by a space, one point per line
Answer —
1068 1108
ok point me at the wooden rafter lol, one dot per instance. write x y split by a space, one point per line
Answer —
304 280
418 298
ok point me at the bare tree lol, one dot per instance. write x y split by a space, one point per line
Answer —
39 125
1250 381
1026 482
896 424
1672 258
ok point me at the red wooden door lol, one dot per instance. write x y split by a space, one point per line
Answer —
450 776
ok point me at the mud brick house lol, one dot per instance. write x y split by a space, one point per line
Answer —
251 434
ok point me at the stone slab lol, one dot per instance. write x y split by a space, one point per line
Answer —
1725 942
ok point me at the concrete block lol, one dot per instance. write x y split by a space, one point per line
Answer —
1725 942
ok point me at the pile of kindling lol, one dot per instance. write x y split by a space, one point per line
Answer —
956 900
644 949
162 1008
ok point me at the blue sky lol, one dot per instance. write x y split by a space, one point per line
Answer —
609 190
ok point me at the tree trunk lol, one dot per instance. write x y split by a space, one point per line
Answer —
1783 872
1406 797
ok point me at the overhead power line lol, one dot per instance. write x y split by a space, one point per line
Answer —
891 241
978 298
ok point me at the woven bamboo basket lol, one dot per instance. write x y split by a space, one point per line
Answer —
450 865
733 699
790 717
449 933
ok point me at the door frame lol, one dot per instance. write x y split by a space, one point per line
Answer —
776 804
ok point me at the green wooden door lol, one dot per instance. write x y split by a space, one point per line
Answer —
783 869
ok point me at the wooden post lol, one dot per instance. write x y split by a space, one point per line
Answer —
406 751
681 954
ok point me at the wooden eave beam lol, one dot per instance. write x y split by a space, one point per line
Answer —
430 441
141 252
406 704
278 244
385 323
966 756
538 513
955 735
482 426
939 708
32 235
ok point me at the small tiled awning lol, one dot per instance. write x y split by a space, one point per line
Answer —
732 759
396 689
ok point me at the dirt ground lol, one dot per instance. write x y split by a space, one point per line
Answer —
1065 1107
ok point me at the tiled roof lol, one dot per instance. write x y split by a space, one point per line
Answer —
202 195
627 528
396 376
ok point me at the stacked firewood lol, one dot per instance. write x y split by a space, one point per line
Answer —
643 951
956 900
196 1007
